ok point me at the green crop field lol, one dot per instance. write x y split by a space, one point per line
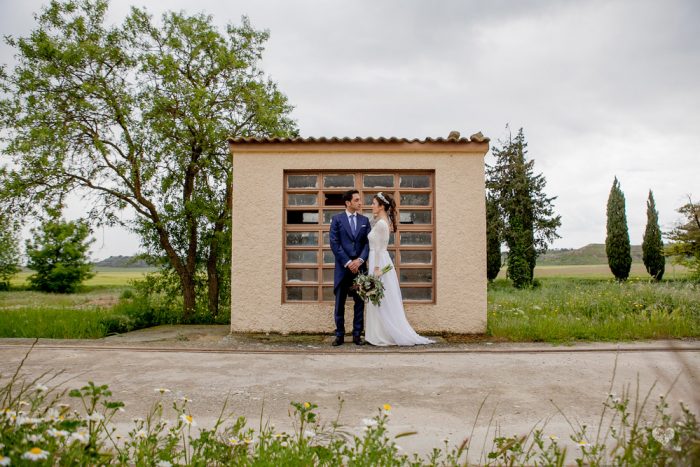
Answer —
104 276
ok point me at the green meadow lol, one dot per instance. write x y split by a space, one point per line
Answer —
572 303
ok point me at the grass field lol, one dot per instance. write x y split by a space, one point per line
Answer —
601 271
572 303
118 277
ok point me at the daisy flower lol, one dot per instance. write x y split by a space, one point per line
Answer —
41 388
163 464
162 390
82 436
188 419
94 417
35 438
583 444
4 460
54 433
233 441
369 422
35 454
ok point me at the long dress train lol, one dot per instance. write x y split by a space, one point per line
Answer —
386 324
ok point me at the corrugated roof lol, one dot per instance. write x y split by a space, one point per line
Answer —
452 139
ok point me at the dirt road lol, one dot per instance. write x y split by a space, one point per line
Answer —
435 392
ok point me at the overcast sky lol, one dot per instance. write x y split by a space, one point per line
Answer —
602 88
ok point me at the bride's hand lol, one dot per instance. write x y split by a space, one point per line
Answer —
377 271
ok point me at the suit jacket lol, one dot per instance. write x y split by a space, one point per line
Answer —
345 246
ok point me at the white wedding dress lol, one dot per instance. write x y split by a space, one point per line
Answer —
386 324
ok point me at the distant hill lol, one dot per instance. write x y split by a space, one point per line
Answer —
122 262
589 254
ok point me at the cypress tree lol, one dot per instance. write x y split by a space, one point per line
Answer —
518 266
528 221
493 239
617 241
653 246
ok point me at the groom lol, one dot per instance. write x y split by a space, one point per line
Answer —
348 237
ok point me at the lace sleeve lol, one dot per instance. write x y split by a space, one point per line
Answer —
382 233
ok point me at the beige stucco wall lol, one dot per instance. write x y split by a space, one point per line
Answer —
460 251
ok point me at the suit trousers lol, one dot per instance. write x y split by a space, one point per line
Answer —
341 293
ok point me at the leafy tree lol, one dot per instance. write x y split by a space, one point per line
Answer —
9 251
685 238
137 116
59 255
653 245
527 214
617 241
493 239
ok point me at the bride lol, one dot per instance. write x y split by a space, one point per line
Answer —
386 324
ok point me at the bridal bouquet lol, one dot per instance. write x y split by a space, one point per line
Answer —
369 287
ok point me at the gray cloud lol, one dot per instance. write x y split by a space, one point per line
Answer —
602 88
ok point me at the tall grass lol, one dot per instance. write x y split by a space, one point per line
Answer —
564 310
52 323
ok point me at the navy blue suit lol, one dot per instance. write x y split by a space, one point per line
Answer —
347 247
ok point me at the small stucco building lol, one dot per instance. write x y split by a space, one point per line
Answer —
285 192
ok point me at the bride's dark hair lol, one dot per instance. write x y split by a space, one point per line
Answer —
390 208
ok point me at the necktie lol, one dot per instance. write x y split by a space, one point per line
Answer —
352 224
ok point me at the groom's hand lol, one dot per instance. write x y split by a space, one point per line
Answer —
354 266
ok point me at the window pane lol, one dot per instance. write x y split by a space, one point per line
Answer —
326 238
378 181
368 197
414 217
302 256
416 257
302 181
339 181
328 295
302 200
329 213
415 199
328 276
302 217
415 181
392 238
302 293
417 293
328 257
302 238
333 199
416 275
416 238
302 275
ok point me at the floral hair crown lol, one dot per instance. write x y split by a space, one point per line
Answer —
380 195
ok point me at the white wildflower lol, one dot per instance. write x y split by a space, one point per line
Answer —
54 433
4 460
163 464
41 388
368 422
81 435
663 436
188 419
162 390
35 438
35 454
94 417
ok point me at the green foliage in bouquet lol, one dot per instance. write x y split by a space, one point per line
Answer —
370 287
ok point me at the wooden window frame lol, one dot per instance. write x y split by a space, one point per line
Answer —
322 228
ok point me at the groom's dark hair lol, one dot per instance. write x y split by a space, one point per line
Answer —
347 196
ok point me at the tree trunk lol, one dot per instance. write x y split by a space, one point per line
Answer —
213 278
189 296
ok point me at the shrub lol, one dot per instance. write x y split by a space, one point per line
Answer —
59 256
